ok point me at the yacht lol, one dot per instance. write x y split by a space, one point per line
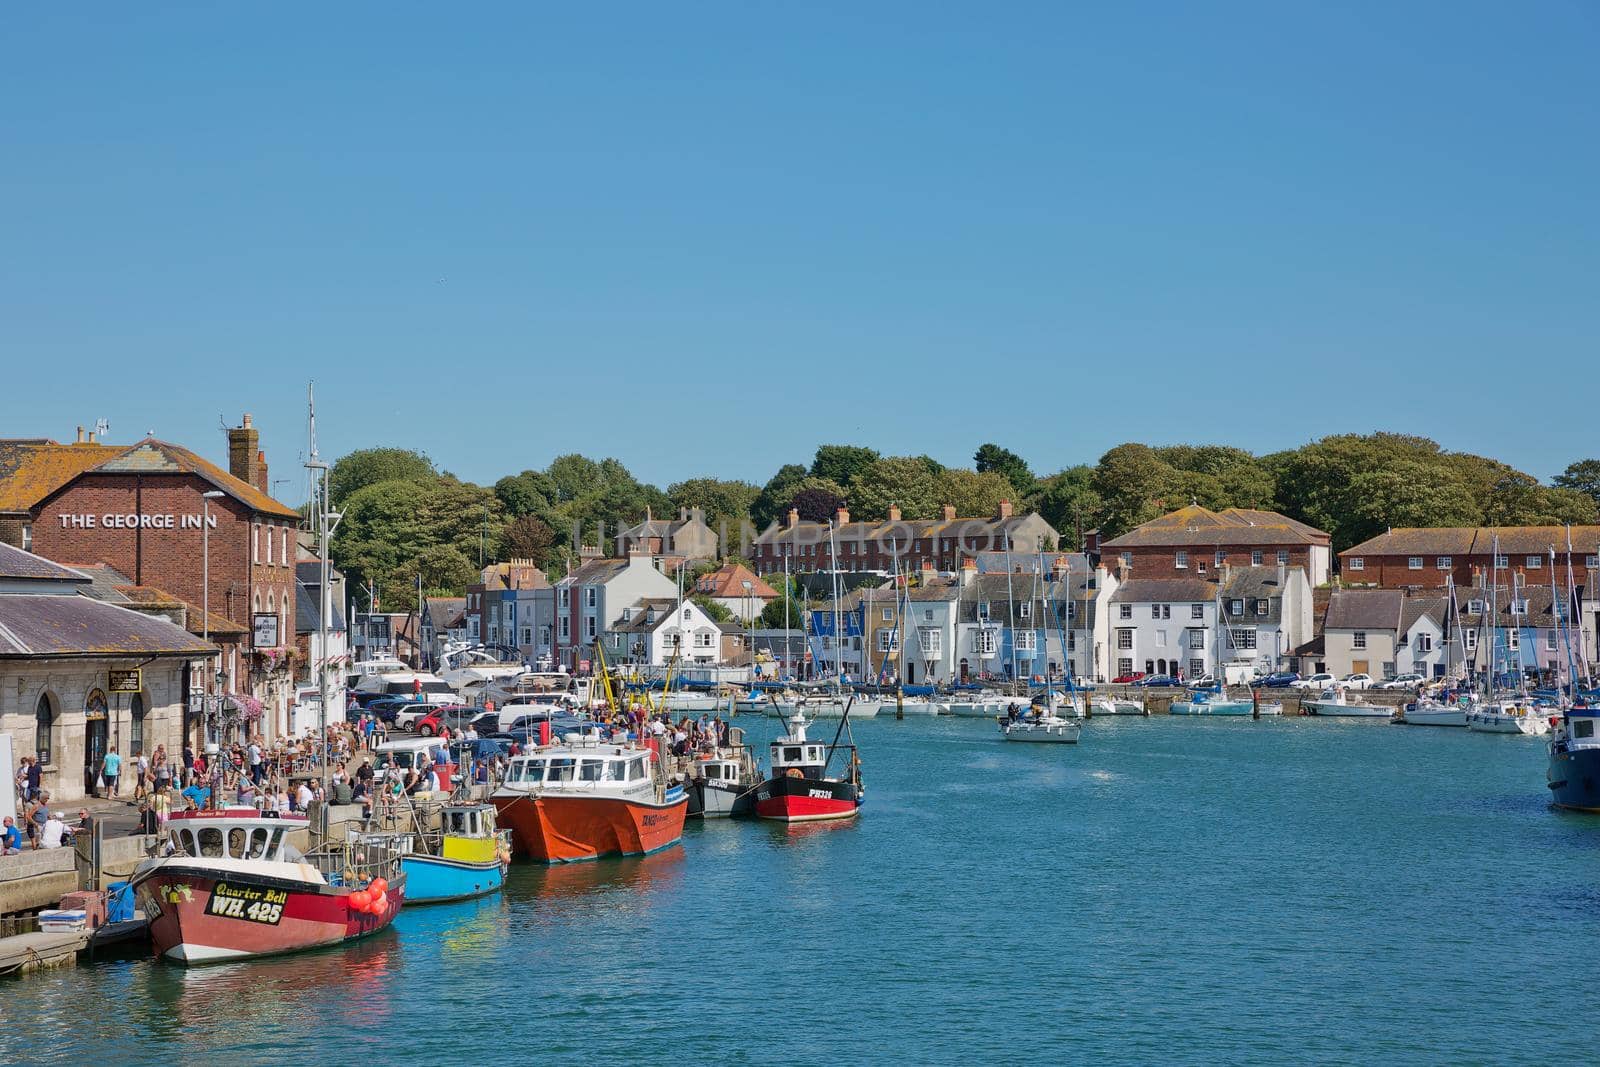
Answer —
1217 703
1516 716
1107 705
982 705
1040 726
1335 702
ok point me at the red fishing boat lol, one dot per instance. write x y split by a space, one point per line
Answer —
798 788
231 886
585 800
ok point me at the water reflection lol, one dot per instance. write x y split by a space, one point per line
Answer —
630 880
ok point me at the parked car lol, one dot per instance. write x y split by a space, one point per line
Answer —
1125 679
1402 681
1356 681
386 708
1318 682
450 716
1276 680
1205 681
1153 680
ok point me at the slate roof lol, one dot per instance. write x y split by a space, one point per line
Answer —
444 610
1164 591
305 610
31 471
640 621
1029 562
970 532
1364 609
15 563
1477 540
1415 607
105 582
53 625
1195 525
194 617
595 572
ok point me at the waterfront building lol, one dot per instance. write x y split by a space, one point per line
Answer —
83 675
596 594
141 508
444 621
1410 558
1196 542
1164 626
656 631
846 545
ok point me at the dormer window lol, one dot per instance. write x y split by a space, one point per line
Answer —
1476 607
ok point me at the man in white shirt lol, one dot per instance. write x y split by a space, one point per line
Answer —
55 829
303 796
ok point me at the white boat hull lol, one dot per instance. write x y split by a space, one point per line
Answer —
1108 706
1499 722
1329 709
823 709
1061 732
1434 715
976 709
909 708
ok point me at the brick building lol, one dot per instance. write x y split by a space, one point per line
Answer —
876 545
1196 542
140 508
1412 558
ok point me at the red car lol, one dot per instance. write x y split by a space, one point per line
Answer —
1124 679
450 716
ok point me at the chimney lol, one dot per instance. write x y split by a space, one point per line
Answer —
949 512
844 515
894 512
794 517
261 473
1005 509
244 451
969 570
683 514
79 441
91 437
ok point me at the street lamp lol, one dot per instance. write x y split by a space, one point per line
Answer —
205 608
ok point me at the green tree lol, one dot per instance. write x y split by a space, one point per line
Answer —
991 457
528 493
901 480
528 537
816 499
444 570
369 466
575 477
1068 501
718 612
1581 477
1409 492
973 494
772 616
841 463
773 502
723 501
1134 486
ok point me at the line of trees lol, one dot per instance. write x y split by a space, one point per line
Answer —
404 518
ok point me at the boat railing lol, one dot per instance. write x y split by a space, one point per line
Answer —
358 860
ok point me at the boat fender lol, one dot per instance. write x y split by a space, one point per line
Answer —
359 900
793 772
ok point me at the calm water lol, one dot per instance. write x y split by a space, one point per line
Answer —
1168 889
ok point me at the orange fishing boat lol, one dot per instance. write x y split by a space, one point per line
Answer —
585 800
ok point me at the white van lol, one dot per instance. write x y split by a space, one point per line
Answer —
407 755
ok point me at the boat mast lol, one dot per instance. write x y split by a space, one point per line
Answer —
838 632
1573 608
1011 611
326 523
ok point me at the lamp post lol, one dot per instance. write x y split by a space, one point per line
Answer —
205 613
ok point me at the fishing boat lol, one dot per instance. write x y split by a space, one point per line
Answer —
1573 776
722 784
798 787
585 799
1336 702
1516 716
1045 728
231 886
467 857
1209 703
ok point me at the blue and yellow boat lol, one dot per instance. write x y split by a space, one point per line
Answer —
466 858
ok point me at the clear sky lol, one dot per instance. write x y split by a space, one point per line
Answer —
704 238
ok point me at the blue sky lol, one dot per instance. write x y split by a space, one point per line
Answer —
499 233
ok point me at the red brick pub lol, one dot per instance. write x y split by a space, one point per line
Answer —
140 509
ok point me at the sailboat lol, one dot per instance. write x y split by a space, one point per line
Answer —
1514 714
1432 710
1216 702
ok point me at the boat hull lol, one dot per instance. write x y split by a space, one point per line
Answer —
720 800
788 799
1328 709
1434 715
436 880
1234 708
1492 722
1105 706
826 709
1060 734
199 916
570 829
1574 779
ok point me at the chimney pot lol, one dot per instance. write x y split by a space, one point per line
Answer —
949 512
246 423
894 512
1005 509
794 516
80 435
844 516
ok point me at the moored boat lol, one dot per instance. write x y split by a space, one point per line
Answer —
1042 729
798 787
1337 703
587 799
1573 775
1205 703
1429 712
466 858
1105 705
233 887
1509 717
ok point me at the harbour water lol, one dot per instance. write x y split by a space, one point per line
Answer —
1168 890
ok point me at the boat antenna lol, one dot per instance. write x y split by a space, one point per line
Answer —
844 721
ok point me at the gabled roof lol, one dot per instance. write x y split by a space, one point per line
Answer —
50 625
443 610
105 581
305 610
595 572
1364 609
1195 525
196 621
1164 591
1251 582
1477 540
1436 608
971 532
32 471
728 581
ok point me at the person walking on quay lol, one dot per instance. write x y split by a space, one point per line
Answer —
37 815
110 770
255 760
